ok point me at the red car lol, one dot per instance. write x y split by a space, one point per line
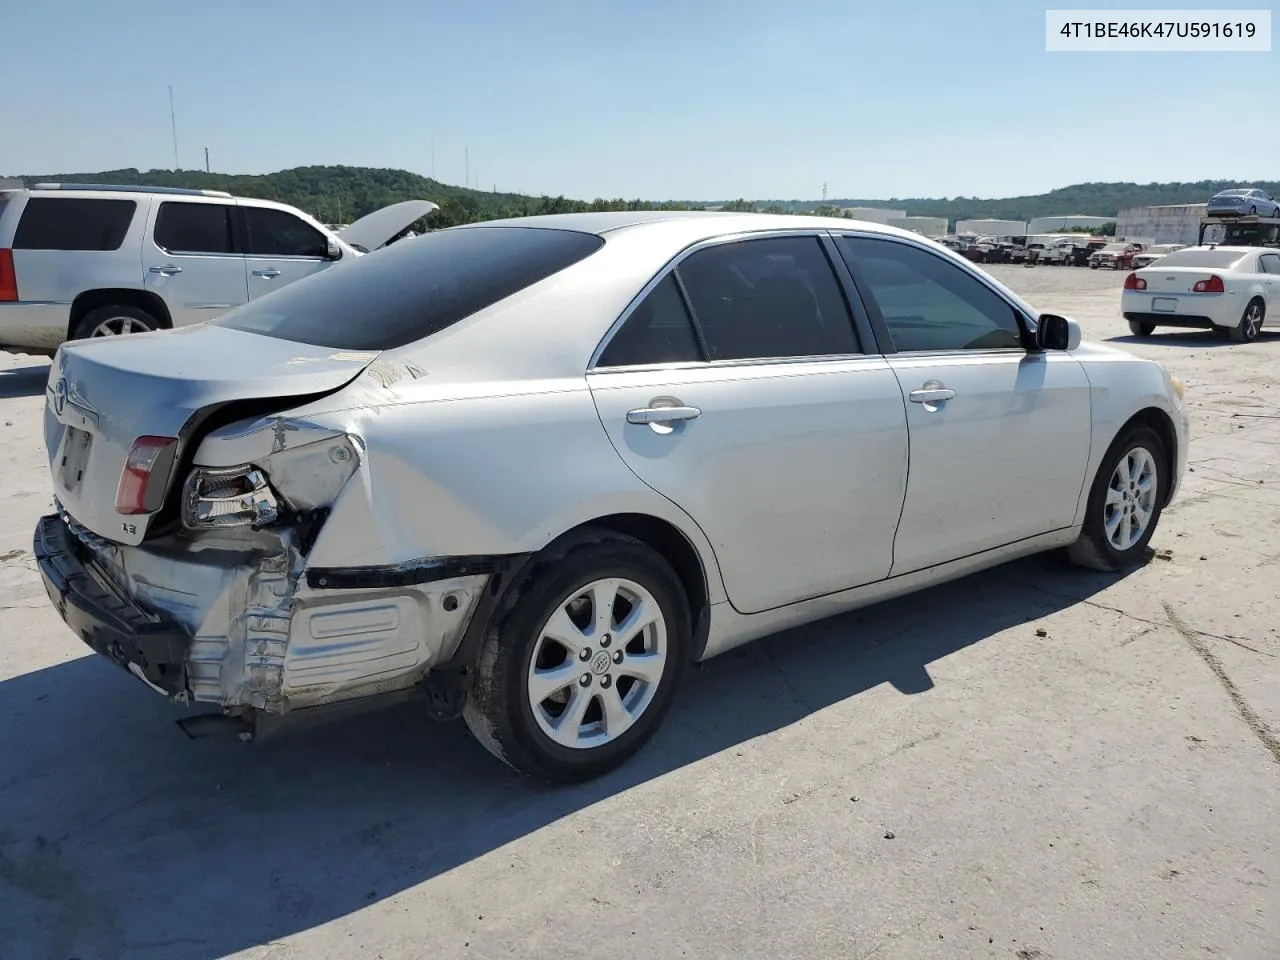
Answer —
1117 256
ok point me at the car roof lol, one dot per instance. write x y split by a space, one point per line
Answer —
692 225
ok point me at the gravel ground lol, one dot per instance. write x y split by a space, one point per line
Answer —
1029 763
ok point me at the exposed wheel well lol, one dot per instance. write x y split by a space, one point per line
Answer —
676 549
1159 421
143 299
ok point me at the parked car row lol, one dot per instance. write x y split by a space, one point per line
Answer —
1063 251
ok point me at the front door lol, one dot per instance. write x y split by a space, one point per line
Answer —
281 248
191 259
999 435
761 418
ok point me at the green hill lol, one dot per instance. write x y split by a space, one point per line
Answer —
340 194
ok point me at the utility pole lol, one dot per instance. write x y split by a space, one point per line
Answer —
433 158
467 169
206 159
173 124
824 193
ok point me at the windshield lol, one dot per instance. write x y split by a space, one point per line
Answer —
413 289
1114 248
1212 259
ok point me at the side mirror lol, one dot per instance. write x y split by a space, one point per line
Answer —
1056 333
332 249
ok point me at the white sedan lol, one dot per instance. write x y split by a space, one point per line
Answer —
532 469
1231 290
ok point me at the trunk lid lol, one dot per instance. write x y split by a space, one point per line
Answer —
1173 279
374 230
104 394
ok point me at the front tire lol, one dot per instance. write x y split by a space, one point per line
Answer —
1125 502
1141 329
581 664
1246 331
114 320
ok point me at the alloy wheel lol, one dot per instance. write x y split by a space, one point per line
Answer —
118 326
597 663
1131 499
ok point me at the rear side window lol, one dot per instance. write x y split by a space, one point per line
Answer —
1270 262
767 298
658 331
73 223
412 289
195 228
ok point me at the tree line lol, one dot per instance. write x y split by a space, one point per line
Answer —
341 194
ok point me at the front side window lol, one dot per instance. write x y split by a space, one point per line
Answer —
767 298
926 302
73 223
412 289
195 228
275 233
657 331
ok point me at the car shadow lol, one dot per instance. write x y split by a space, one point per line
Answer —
118 836
1190 338
24 381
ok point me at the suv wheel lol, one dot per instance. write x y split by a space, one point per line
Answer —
580 666
1125 502
114 320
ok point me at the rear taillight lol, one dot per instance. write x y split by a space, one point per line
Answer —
145 475
1134 282
233 497
8 277
1212 285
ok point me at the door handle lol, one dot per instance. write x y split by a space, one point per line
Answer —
932 395
168 270
662 414
269 273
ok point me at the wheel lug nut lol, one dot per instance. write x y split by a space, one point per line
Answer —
584 654
617 656
585 680
606 640
606 681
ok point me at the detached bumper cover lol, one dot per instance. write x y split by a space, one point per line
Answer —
140 641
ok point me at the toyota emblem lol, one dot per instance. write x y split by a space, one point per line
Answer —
59 395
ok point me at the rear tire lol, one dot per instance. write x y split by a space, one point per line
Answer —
1130 485
1246 331
550 626
114 320
1140 329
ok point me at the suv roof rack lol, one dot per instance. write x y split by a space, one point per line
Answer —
128 188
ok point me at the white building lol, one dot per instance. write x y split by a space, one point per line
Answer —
1070 222
993 228
1175 223
872 214
925 226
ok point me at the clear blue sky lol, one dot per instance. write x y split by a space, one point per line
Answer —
697 99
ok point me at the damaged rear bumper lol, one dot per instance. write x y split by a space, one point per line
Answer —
237 620
150 646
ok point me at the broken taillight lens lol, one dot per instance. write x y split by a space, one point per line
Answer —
145 475
235 497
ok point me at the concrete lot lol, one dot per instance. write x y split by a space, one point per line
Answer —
926 779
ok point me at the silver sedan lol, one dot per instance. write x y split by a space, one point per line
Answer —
529 470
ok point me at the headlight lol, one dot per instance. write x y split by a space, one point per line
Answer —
234 497
1177 385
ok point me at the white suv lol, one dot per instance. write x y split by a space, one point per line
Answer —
90 260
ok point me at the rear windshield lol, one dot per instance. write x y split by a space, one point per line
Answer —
413 289
1211 259
73 223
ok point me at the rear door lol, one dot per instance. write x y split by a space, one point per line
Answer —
281 247
1269 263
999 435
788 443
192 258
